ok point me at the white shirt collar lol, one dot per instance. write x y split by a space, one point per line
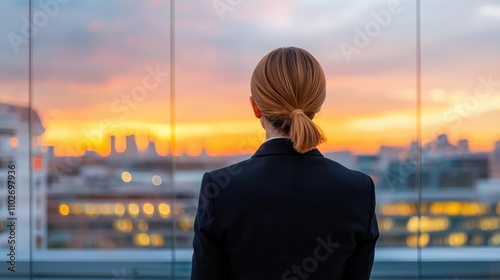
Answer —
276 137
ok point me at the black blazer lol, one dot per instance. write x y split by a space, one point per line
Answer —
285 215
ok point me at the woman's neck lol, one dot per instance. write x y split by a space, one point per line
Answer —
271 131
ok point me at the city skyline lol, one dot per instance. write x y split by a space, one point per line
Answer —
95 140
128 145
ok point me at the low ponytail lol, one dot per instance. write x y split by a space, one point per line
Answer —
304 133
288 85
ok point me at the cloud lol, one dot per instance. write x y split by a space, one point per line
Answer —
490 10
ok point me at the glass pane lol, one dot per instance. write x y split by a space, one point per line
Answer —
367 50
15 114
101 88
460 224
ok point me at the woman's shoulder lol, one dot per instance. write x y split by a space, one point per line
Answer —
230 169
347 172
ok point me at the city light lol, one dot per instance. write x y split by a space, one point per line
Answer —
457 239
108 209
495 239
90 210
126 176
164 210
142 239
76 209
64 209
385 224
473 209
13 142
123 225
436 208
156 240
37 163
427 224
489 223
185 223
119 209
455 208
94 209
142 225
101 209
133 209
423 240
156 180
452 208
398 209
148 209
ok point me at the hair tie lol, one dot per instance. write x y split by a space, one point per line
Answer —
296 112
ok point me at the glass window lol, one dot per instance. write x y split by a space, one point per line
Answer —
111 111
460 107
14 137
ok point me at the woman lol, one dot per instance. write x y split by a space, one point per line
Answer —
287 212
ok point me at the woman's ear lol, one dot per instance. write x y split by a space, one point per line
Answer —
256 110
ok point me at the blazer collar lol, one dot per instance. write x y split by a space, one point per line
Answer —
281 146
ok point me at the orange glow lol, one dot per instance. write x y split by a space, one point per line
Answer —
427 224
133 209
148 209
119 209
454 208
142 239
142 225
216 138
37 162
63 209
243 137
457 239
164 210
398 209
226 125
156 240
14 142
423 240
123 225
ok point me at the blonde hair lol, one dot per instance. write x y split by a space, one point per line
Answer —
288 85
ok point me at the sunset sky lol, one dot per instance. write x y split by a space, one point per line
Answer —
91 57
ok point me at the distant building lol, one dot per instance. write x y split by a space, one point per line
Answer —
443 146
495 160
151 150
15 156
387 154
131 147
463 146
112 140
370 165
139 210
131 151
452 171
